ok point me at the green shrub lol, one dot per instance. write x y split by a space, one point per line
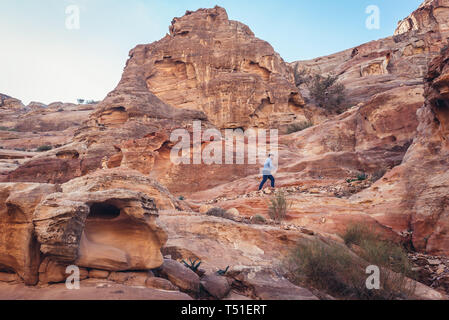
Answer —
44 148
325 267
278 207
327 92
193 264
356 233
297 127
386 254
3 128
362 176
222 272
334 269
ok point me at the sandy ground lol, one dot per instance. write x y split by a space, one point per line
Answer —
88 291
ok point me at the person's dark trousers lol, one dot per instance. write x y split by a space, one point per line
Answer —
265 179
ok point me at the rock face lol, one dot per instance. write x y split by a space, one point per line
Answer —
19 250
431 15
110 229
95 222
8 103
388 63
217 66
419 187
216 286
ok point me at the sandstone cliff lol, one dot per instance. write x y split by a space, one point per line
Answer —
397 61
217 66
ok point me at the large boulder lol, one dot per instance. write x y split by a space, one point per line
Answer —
217 286
111 229
180 276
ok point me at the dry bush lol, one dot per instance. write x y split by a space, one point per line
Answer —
327 92
278 207
219 213
297 127
333 268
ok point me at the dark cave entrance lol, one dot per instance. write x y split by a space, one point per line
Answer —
103 211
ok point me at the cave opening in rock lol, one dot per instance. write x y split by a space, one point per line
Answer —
104 211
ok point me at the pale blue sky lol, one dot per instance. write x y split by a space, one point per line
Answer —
40 60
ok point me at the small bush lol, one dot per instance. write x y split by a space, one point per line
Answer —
356 233
181 198
386 254
278 207
219 213
327 92
376 176
3 128
325 267
193 264
258 219
362 176
44 148
334 269
297 127
301 76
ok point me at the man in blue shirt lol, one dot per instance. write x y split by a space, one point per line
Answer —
268 167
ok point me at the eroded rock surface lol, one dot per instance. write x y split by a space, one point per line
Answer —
19 250
218 66
110 229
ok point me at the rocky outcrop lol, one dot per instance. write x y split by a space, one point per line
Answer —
9 103
397 61
19 249
24 127
217 66
417 200
431 15
107 221
110 229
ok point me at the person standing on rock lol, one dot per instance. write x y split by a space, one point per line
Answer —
267 169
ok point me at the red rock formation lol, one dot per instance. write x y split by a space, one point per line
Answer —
218 66
419 187
397 61
19 250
